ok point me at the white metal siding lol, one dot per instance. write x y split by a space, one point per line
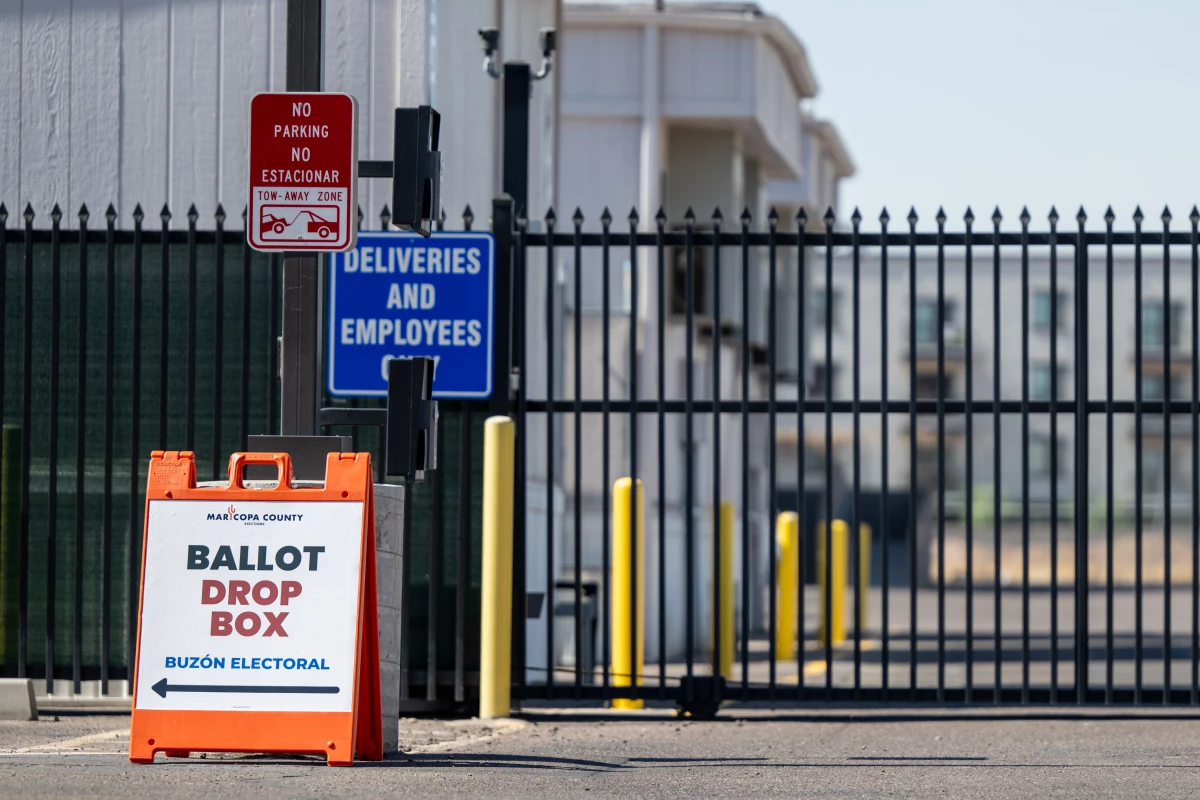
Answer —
708 74
603 71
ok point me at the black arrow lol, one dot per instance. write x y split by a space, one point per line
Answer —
162 687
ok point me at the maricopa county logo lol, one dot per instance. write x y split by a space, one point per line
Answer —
231 515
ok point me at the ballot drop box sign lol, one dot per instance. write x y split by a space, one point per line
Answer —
247 606
258 627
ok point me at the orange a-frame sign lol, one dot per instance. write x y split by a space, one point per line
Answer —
258 625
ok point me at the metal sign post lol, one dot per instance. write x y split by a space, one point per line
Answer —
299 344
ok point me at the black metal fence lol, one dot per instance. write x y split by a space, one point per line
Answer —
117 341
1001 635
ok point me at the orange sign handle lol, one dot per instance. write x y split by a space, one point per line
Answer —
239 461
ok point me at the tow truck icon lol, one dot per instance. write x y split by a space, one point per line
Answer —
274 219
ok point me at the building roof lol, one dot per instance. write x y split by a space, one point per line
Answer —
832 140
747 17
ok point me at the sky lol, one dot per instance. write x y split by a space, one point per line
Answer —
1013 103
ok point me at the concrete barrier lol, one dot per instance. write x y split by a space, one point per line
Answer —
16 699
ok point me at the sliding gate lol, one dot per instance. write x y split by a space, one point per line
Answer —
1009 407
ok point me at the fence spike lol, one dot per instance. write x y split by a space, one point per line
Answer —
29 214
577 217
193 214
110 213
661 216
941 216
468 215
606 217
969 217
912 216
716 215
385 215
884 216
997 216
1195 215
165 214
84 215
689 215
4 213
245 213
1081 217
360 216
773 215
746 216
1053 216
56 213
856 217
220 214
138 214
802 217
1137 215
829 215
1109 216
1025 215
1166 215
551 217
633 216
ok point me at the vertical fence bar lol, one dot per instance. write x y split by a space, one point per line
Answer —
772 477
1166 439
551 589
1025 455
997 497
660 220
52 488
884 542
1194 243
801 446
436 488
218 387
27 430
1138 474
969 421
689 437
828 565
1082 460
110 263
577 396
463 574
80 440
521 369
605 479
860 616
717 615
1054 321
745 471
190 438
912 453
247 254
164 331
636 502
941 453
135 455
1109 654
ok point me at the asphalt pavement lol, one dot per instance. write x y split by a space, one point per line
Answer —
1003 753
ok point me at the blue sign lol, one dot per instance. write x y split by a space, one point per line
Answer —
401 295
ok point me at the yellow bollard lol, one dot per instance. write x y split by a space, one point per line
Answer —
834 570
625 554
864 578
495 641
724 656
787 536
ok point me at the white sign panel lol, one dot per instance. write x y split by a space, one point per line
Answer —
250 606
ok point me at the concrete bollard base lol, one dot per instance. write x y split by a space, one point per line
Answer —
16 699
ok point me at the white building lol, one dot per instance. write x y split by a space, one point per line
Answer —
695 106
